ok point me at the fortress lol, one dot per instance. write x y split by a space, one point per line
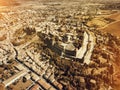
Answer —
68 45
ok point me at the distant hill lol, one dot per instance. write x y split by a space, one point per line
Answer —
75 0
15 2
8 2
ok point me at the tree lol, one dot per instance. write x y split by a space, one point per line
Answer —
29 30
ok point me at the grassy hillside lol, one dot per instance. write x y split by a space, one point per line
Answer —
113 28
115 16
